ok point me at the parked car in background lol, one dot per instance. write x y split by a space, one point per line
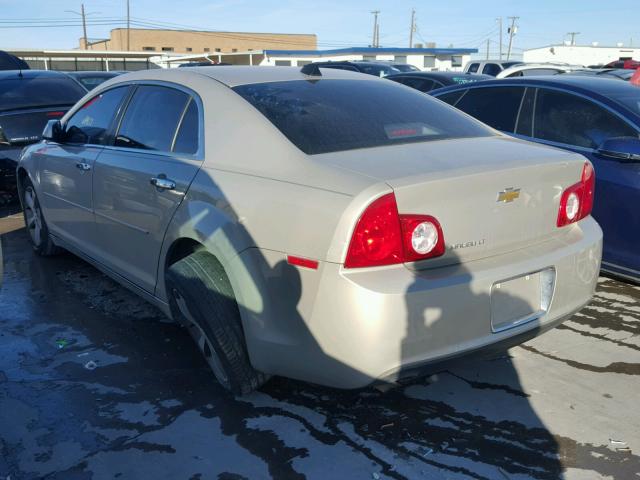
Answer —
327 226
403 67
536 70
597 117
11 62
90 80
617 73
28 100
626 64
203 64
377 69
488 67
427 81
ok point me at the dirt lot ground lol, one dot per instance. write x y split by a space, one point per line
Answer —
96 384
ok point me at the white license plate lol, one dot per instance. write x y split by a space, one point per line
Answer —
519 300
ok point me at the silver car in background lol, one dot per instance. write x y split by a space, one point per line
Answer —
318 224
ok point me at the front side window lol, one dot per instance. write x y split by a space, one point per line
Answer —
90 124
335 115
495 106
573 120
151 118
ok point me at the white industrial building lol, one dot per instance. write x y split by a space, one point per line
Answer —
424 58
580 54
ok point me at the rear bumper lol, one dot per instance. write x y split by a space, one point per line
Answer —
349 328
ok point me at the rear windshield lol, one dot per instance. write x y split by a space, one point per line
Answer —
334 115
18 93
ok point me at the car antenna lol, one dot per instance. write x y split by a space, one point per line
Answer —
311 69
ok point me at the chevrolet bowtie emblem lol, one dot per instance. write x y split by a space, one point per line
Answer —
508 195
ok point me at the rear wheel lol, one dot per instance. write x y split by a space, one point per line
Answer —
35 223
201 297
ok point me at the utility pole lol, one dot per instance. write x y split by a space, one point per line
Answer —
499 20
128 29
413 27
84 26
84 23
573 37
512 32
375 13
488 41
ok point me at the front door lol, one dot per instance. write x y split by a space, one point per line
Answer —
140 180
66 169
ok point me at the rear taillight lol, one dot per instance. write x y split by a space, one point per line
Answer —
577 200
384 237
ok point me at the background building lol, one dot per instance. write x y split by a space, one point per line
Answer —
423 58
580 54
189 41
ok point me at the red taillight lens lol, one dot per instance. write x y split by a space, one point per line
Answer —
376 239
577 200
383 237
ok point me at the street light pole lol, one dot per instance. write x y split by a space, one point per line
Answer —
128 29
375 28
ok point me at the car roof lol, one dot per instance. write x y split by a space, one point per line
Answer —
595 84
242 75
8 74
439 75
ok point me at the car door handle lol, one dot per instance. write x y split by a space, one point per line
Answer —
163 183
85 167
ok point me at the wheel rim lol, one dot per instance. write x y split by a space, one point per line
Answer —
201 339
33 216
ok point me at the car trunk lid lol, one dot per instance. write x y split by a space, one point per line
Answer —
491 195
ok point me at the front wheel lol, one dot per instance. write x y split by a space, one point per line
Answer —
201 297
35 223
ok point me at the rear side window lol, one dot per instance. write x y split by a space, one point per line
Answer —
333 115
492 69
566 118
451 97
90 124
187 136
151 119
473 68
495 106
420 84
37 92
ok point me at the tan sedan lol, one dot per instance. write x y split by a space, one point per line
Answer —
317 224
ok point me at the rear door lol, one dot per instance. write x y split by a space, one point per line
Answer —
141 179
66 169
577 123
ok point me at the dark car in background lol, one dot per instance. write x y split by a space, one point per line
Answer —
597 117
28 100
90 80
427 81
379 69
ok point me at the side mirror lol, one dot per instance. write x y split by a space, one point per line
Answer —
623 149
53 131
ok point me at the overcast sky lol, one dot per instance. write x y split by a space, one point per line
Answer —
463 23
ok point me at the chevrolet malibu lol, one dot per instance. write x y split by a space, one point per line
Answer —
316 224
